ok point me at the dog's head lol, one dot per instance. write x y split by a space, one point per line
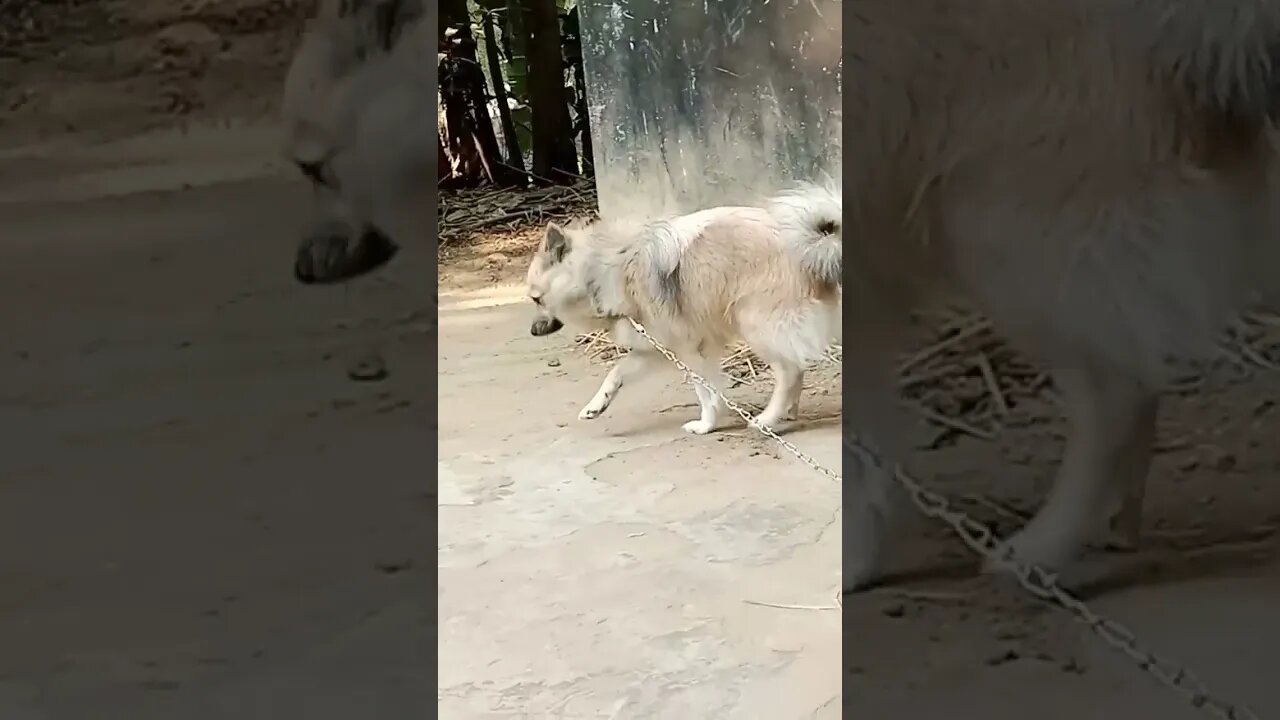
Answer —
553 281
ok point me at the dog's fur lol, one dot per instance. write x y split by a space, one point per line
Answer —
356 99
1097 176
768 276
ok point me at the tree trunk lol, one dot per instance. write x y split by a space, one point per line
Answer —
582 122
554 157
469 130
515 158
453 13
442 160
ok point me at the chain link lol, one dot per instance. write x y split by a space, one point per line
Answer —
1039 582
741 411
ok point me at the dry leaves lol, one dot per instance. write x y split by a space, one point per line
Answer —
462 214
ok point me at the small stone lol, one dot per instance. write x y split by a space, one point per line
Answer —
188 37
394 568
1003 658
895 610
1226 462
1009 631
370 368
553 363
497 260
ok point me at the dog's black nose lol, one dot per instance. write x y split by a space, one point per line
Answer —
331 257
313 170
544 326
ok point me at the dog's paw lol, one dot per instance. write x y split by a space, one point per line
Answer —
1121 537
859 575
591 412
1028 547
698 427
775 425
1074 577
852 585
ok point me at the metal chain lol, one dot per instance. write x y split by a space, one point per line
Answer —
1044 585
1041 583
695 377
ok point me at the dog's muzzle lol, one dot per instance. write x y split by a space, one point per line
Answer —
333 257
314 171
545 326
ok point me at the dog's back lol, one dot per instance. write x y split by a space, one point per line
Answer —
729 273
1096 175
1032 158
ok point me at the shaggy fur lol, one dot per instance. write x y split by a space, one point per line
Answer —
1096 176
698 283
356 98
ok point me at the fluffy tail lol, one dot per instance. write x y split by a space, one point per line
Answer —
1226 54
810 221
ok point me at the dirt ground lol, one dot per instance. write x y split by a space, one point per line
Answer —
619 561
607 569
202 515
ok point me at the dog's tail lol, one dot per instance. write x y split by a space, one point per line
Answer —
811 224
1226 55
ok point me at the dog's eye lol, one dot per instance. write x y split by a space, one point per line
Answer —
537 300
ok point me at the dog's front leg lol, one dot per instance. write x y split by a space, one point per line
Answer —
709 399
628 366
1111 430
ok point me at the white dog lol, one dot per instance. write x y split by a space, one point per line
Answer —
357 98
768 276
1096 176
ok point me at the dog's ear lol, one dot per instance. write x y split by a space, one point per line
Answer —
555 243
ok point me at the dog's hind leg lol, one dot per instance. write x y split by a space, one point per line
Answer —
627 367
793 410
1111 424
709 402
1124 532
787 382
874 433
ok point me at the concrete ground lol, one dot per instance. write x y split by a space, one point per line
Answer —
607 568
201 515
